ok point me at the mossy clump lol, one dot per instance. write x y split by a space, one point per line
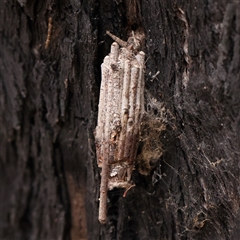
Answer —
150 146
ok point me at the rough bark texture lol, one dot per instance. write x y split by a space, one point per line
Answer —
48 111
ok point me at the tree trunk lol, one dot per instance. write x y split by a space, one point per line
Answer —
50 57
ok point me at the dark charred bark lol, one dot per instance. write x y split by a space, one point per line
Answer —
50 55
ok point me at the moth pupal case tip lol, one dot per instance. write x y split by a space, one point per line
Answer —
114 52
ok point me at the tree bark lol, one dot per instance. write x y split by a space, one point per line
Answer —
50 57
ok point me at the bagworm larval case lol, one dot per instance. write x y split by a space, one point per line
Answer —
121 105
